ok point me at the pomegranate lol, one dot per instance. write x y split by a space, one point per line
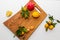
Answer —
30 6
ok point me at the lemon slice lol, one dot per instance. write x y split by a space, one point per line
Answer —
8 13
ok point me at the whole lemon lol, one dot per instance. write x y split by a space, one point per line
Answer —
46 25
51 27
35 14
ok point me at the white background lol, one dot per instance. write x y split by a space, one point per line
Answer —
49 6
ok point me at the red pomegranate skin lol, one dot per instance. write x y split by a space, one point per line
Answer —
30 6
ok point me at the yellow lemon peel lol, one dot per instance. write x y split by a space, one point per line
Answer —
51 27
35 14
22 33
8 13
46 25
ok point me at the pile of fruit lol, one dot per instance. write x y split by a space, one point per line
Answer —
25 14
22 30
25 11
51 24
30 7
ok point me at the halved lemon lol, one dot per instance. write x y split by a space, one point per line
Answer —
35 14
8 13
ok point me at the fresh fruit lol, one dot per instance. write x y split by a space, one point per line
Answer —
49 22
28 30
24 8
46 25
30 6
32 27
22 33
51 27
8 13
35 14
21 30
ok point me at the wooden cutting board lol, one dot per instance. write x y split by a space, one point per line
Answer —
17 19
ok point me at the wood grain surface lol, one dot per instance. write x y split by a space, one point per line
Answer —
17 20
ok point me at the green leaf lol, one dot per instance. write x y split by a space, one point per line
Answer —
24 30
25 14
58 21
22 9
46 21
46 29
18 32
54 24
14 36
51 18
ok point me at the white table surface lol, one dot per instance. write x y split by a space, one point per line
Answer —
49 6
